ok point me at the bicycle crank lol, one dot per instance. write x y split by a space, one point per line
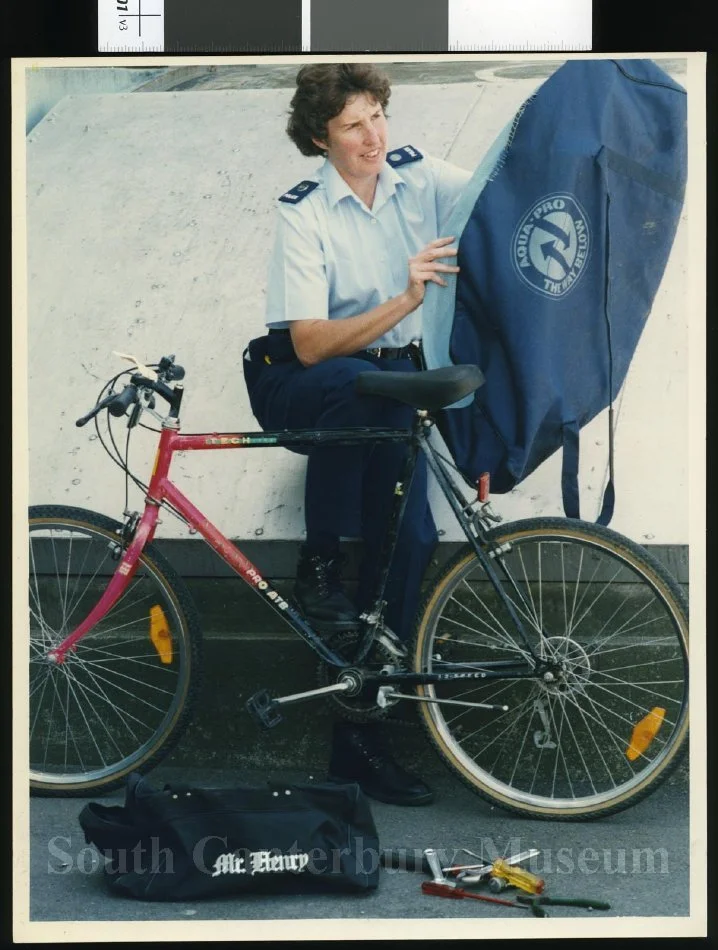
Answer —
381 659
265 708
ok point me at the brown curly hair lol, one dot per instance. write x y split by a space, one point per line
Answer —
323 90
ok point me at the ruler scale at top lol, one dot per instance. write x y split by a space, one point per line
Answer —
130 26
293 26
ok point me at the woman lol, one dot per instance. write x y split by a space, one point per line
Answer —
355 245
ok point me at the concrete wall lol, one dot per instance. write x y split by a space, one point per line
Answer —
150 219
45 87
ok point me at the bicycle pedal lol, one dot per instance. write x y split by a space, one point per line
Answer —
264 709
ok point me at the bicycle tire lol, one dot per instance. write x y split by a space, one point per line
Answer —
118 703
642 673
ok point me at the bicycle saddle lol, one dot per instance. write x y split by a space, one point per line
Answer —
431 389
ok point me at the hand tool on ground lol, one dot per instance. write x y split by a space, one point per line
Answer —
517 877
406 860
465 875
450 890
497 884
536 903
432 859
409 860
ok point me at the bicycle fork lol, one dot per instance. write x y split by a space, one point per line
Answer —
119 582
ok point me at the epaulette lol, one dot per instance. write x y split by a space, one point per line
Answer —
299 191
402 156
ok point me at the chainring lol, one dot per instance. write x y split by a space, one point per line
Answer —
362 707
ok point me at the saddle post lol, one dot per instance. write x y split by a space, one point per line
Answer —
401 495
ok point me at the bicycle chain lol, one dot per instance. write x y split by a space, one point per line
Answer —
352 707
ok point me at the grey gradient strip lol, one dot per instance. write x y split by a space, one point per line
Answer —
355 26
233 26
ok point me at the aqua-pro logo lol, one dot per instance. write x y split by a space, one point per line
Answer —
551 244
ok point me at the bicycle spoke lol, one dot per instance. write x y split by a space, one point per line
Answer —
569 629
624 628
493 698
504 637
643 687
642 709
523 743
677 656
618 739
100 693
610 643
502 634
577 744
559 749
537 623
111 700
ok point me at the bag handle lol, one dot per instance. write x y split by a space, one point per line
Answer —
569 474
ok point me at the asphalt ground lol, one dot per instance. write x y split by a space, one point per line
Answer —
637 860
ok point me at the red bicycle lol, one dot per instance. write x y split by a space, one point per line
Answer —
550 658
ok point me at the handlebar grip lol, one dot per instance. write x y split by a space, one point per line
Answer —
120 404
85 419
175 372
93 412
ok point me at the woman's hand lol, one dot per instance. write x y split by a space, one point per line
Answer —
425 266
318 340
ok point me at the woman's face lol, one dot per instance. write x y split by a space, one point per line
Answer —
356 138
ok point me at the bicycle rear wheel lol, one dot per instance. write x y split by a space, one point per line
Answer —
607 729
123 696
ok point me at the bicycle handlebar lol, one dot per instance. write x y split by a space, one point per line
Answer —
118 403
93 412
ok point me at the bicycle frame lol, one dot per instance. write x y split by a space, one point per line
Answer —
161 489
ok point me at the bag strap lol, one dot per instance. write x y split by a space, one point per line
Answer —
609 494
570 433
569 475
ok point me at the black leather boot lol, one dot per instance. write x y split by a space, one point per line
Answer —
320 595
359 755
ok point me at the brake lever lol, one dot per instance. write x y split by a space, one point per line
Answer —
94 411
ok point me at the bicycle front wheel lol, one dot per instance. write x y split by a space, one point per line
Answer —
122 697
609 725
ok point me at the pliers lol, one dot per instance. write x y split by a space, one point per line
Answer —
537 901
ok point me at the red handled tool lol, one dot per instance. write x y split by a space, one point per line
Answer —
445 890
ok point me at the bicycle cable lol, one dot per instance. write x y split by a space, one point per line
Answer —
116 456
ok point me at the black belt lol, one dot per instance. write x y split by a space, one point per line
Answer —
410 351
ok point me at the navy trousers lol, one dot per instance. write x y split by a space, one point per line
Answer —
349 490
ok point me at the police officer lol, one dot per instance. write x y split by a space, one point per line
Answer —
355 245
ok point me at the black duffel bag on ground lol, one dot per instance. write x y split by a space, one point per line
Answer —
184 843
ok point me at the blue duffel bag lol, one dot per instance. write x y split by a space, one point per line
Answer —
564 233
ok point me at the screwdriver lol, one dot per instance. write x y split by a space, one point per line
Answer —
518 877
457 893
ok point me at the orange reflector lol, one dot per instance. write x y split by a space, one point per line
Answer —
160 634
644 732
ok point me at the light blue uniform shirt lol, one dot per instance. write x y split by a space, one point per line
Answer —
333 257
